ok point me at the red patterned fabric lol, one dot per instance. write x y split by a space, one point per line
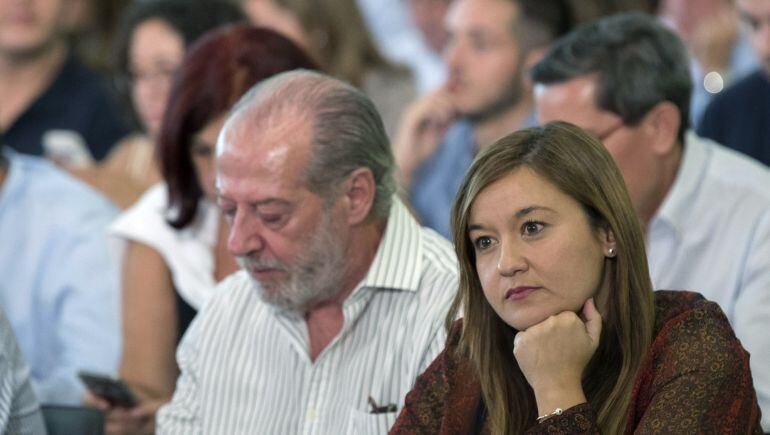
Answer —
694 379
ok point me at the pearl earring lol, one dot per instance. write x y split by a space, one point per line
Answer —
611 252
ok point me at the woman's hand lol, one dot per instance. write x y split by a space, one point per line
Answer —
553 354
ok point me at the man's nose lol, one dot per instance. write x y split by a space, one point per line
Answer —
245 237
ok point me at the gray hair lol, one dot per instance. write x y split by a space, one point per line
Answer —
347 130
637 62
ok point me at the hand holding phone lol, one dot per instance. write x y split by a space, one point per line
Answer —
111 389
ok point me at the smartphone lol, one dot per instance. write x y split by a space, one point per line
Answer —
111 389
67 148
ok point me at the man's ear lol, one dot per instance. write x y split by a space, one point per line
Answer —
360 189
531 59
661 124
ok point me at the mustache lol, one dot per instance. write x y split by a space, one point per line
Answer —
255 263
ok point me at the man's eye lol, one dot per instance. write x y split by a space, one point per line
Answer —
482 243
531 228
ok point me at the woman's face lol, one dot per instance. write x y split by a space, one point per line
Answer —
155 53
536 253
202 153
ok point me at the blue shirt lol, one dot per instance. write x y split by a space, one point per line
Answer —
59 285
437 180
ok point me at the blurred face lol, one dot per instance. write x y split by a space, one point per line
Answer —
688 17
202 149
28 27
756 15
536 253
483 57
574 101
155 53
290 240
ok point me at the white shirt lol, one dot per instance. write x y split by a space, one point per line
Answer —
19 410
712 235
188 253
245 366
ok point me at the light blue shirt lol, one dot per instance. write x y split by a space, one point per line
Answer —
712 235
436 182
59 286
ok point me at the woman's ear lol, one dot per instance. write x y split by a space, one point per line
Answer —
607 237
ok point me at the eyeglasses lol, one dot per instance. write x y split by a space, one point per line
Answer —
608 132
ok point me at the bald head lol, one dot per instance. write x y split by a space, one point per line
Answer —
346 132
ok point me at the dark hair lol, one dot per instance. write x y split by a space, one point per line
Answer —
542 21
636 60
189 18
216 72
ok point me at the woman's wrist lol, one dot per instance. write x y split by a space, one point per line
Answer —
558 397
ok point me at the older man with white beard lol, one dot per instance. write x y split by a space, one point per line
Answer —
342 299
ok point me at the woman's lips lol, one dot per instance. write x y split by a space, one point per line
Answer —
519 293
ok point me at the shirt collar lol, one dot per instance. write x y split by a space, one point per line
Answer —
398 261
677 203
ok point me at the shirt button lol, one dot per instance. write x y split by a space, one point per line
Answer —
312 415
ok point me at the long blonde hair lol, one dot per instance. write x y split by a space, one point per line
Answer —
579 166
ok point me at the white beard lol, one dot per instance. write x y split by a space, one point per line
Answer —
315 276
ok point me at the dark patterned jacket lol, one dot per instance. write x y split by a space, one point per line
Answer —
694 379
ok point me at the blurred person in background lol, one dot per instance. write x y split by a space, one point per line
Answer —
719 48
174 239
334 33
51 103
58 287
492 44
740 116
153 38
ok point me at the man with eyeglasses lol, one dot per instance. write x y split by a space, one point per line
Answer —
705 208
739 117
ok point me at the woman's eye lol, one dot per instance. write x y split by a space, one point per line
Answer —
531 228
482 243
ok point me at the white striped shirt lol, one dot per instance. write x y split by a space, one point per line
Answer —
245 366
19 411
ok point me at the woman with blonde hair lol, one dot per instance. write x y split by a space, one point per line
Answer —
561 331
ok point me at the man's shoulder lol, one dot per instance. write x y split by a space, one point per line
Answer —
77 80
438 254
745 89
64 198
737 171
